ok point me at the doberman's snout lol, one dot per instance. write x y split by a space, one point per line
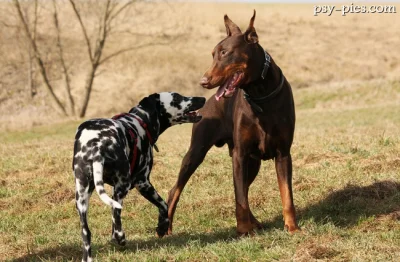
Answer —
204 81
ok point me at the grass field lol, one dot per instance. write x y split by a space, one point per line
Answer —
345 74
346 188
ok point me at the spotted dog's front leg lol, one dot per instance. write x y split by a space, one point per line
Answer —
147 190
119 193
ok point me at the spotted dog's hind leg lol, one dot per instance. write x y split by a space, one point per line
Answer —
147 190
83 191
120 190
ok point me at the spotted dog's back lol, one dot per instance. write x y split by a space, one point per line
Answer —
95 141
118 152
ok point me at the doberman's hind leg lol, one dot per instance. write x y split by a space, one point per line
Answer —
147 190
120 190
83 191
283 166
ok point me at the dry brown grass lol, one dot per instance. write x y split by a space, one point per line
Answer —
334 52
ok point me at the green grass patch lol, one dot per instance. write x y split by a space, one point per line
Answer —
346 190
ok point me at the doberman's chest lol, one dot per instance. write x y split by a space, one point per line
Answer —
262 139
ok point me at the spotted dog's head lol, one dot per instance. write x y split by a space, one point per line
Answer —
168 109
178 109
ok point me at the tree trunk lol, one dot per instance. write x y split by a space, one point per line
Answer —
88 90
49 88
31 83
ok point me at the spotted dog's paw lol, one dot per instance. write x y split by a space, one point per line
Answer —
119 237
162 227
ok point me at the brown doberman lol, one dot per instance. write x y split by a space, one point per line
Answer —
253 112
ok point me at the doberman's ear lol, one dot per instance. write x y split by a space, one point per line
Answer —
231 27
250 36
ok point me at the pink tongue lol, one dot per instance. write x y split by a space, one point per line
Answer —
220 92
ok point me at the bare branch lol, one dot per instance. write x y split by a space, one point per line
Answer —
78 15
70 99
35 21
38 58
121 9
9 25
121 51
96 59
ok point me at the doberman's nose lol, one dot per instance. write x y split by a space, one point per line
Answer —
204 81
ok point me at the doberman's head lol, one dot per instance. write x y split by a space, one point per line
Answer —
236 60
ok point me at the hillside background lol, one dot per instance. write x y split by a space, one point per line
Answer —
313 51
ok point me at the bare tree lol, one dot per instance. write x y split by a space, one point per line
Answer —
70 99
94 45
39 59
31 67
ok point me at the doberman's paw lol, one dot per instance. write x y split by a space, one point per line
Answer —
245 231
292 229
169 232
256 224
245 234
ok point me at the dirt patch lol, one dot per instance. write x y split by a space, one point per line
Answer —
381 166
59 194
313 160
393 216
313 251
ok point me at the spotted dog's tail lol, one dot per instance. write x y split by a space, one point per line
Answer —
99 184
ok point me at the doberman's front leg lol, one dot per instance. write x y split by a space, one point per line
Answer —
253 166
243 218
283 165
147 190
190 162
203 138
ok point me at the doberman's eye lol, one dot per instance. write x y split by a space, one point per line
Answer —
223 52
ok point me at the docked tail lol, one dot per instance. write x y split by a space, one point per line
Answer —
99 184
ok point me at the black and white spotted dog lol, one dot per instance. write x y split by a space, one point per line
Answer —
118 152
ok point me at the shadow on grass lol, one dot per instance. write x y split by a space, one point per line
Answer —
74 252
344 208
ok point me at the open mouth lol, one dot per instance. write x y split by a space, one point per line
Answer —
193 116
229 87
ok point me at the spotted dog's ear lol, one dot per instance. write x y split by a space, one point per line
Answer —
151 103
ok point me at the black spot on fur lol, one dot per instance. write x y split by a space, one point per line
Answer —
176 100
93 142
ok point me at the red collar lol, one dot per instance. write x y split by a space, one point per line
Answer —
142 123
